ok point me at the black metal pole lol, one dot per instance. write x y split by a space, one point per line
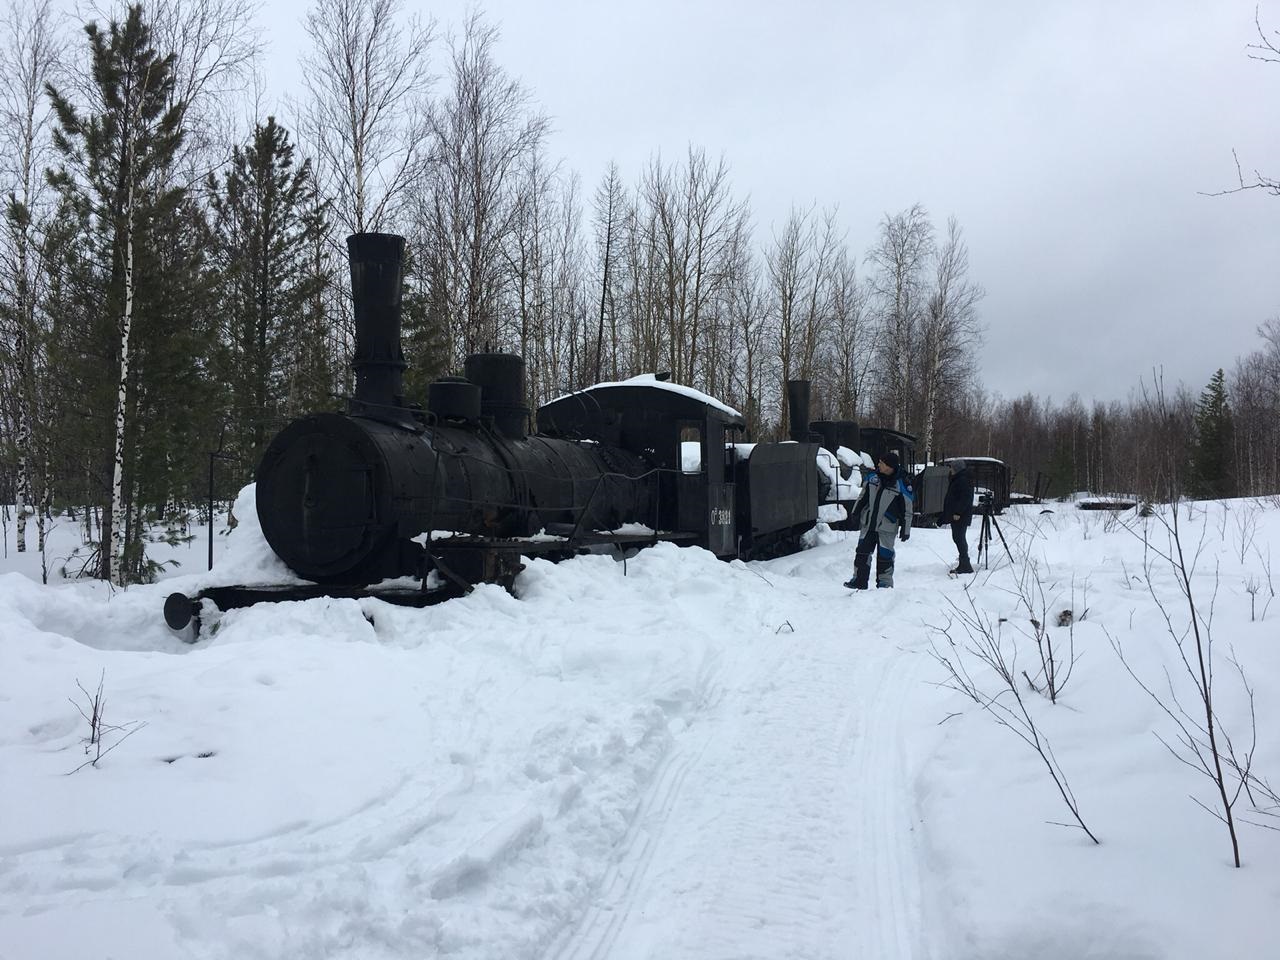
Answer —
212 455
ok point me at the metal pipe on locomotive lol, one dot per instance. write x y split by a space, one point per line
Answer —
455 494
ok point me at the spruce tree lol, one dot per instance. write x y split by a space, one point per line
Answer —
117 148
1061 469
425 330
177 398
1212 451
68 303
267 222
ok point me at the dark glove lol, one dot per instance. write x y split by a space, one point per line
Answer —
906 535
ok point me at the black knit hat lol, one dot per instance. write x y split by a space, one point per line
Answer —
892 460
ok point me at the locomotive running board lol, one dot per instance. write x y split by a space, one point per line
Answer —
182 611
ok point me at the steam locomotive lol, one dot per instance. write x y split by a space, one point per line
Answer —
455 494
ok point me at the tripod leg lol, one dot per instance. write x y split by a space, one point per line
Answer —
1007 551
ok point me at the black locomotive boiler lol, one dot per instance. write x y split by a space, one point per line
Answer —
454 494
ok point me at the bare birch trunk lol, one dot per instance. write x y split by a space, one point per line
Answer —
22 435
931 404
604 291
23 348
117 570
42 511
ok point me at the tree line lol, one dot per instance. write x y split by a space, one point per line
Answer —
172 267
1164 442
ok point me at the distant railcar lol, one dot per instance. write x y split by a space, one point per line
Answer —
991 487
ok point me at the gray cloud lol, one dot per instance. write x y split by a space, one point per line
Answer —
1073 141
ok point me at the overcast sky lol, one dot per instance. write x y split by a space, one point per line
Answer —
1073 141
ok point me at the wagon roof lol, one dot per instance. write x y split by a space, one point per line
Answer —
673 392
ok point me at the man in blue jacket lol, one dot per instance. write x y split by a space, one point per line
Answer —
883 509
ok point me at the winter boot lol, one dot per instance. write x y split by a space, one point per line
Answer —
964 567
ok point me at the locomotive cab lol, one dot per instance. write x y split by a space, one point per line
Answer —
680 433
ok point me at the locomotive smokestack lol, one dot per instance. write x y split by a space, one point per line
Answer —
377 261
798 404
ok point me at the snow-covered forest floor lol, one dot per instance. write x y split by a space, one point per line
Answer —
671 757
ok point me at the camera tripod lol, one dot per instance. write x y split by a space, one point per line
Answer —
984 537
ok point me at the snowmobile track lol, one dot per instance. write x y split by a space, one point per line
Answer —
599 929
771 831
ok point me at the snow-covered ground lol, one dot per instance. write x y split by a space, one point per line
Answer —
668 758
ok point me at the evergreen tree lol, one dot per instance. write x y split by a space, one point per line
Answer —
1212 452
70 304
267 221
117 148
1060 469
177 398
315 376
425 327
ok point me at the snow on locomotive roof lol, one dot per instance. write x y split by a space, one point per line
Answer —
649 380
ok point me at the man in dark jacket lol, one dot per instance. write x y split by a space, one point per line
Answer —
958 509
883 508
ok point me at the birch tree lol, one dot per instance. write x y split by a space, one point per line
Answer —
788 266
530 260
30 59
800 272
816 307
689 215
850 344
608 217
950 331
484 129
899 257
368 78
645 329
721 337
748 312
569 300
216 45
